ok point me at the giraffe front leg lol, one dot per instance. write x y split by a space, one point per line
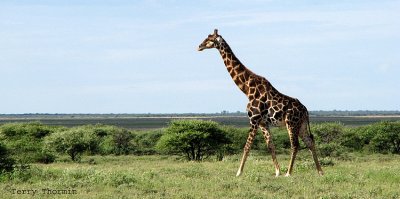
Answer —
271 147
246 150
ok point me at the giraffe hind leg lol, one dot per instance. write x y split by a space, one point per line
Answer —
309 141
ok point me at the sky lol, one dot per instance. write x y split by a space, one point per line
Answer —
122 56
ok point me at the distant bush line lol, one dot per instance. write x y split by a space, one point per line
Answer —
25 143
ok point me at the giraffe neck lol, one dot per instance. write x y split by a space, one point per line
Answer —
239 73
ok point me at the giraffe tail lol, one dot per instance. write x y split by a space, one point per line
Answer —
309 128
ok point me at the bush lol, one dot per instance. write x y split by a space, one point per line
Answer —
122 142
98 134
106 139
352 139
194 139
387 137
74 142
25 140
111 139
107 146
237 136
361 135
381 137
145 142
327 132
330 150
45 157
6 162
31 129
281 139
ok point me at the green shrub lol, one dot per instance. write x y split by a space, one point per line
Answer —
111 139
145 142
387 138
25 140
31 129
122 142
194 139
330 150
98 134
101 130
6 162
281 139
107 139
91 139
381 137
364 134
74 142
237 137
352 139
327 132
107 146
45 157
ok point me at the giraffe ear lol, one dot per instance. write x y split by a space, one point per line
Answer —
215 31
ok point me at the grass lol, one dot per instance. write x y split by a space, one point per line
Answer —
359 176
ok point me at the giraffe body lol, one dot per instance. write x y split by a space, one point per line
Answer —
266 107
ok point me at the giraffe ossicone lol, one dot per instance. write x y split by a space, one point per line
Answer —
266 107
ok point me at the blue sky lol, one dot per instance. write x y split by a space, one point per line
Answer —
141 56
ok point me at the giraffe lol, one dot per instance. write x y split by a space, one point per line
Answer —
266 106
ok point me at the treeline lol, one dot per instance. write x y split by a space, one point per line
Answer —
353 113
25 143
178 115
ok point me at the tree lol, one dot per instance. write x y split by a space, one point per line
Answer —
74 142
194 139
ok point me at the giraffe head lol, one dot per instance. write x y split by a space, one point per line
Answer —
212 41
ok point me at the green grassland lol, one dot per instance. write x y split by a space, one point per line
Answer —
367 171
356 176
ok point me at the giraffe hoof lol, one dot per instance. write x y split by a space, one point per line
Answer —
277 173
287 175
321 173
238 174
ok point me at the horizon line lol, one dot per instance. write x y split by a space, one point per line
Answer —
182 113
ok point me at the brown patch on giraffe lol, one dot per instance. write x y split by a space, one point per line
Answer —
240 70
